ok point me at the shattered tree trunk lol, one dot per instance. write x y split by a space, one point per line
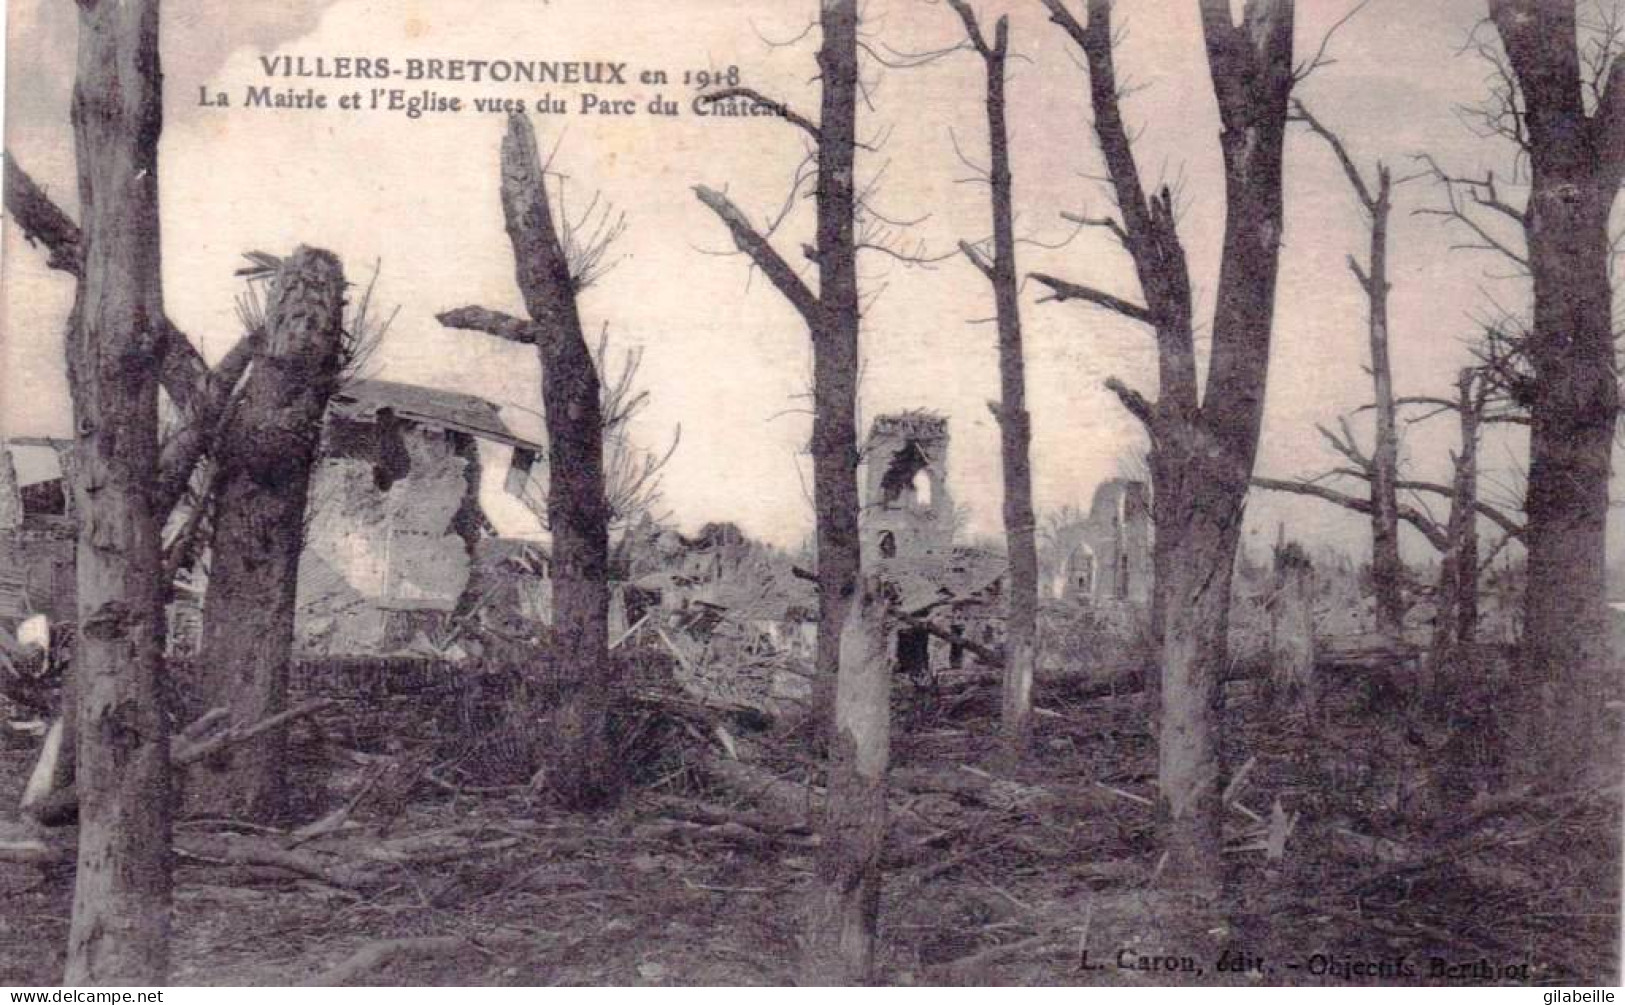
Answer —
1576 166
845 906
586 773
846 889
202 395
265 467
1382 470
1456 611
1292 630
119 934
1202 449
1015 423
1387 570
583 772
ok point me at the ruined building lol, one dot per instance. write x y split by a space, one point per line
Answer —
1105 558
36 532
907 512
395 518
393 525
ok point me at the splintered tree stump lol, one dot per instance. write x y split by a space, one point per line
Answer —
1292 630
265 470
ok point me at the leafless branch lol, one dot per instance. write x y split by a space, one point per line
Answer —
779 108
496 323
1064 291
761 252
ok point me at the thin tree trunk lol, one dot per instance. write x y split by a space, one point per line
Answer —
835 337
1576 163
121 907
1466 549
586 773
1015 423
1456 608
846 889
265 471
1387 571
845 904
848 876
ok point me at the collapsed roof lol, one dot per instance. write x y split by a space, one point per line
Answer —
429 406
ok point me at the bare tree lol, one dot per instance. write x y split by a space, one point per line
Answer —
1477 402
1202 444
1015 424
551 273
1576 156
839 946
121 905
1376 200
260 489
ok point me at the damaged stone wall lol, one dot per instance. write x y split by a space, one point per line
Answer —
393 514
1107 557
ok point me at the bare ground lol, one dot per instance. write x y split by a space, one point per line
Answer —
1046 878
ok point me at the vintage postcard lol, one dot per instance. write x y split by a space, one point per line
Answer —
1028 492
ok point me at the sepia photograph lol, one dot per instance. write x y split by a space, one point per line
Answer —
1082 493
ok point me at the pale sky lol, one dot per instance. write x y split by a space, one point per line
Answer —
724 355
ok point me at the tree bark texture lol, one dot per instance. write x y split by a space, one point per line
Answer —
835 334
845 903
265 467
1576 164
1202 445
586 773
119 933
1387 570
845 892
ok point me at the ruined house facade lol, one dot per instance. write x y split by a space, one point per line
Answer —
393 525
395 522
36 533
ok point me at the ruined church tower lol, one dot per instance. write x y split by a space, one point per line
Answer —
907 511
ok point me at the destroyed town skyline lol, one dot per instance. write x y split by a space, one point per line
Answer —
735 380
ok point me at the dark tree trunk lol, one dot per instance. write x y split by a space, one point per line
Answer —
835 336
120 929
845 904
265 466
845 890
1576 164
1202 449
586 773
1387 571
1456 607
1465 546
1015 423
583 770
